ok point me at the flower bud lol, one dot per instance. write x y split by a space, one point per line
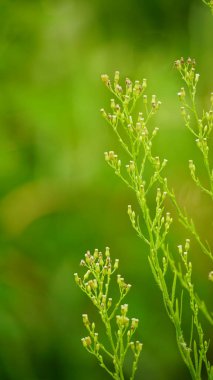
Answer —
116 264
105 78
95 337
138 346
86 341
187 244
116 77
109 303
144 83
128 86
112 103
191 166
129 210
132 345
107 252
124 309
197 77
134 323
180 249
87 275
211 275
95 255
118 89
77 279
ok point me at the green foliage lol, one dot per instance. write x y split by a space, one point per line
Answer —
136 136
144 175
209 3
55 190
96 285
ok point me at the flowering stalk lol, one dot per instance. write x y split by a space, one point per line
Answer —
200 126
119 328
144 175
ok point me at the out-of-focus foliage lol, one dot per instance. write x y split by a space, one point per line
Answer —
58 198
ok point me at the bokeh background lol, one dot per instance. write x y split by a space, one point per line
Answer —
58 198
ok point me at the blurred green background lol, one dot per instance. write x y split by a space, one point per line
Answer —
58 198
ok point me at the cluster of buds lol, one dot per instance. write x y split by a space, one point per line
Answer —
187 71
131 168
115 107
105 79
182 94
161 223
155 103
117 88
168 221
183 251
160 197
181 63
131 214
112 119
95 281
131 90
192 168
112 159
123 321
203 145
136 346
128 325
86 342
123 286
90 342
209 121
144 137
139 88
158 165
140 126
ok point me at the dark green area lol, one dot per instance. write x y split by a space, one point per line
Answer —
57 196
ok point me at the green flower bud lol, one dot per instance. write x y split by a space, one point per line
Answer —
77 279
134 323
211 276
86 341
116 77
107 253
124 309
109 303
116 264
